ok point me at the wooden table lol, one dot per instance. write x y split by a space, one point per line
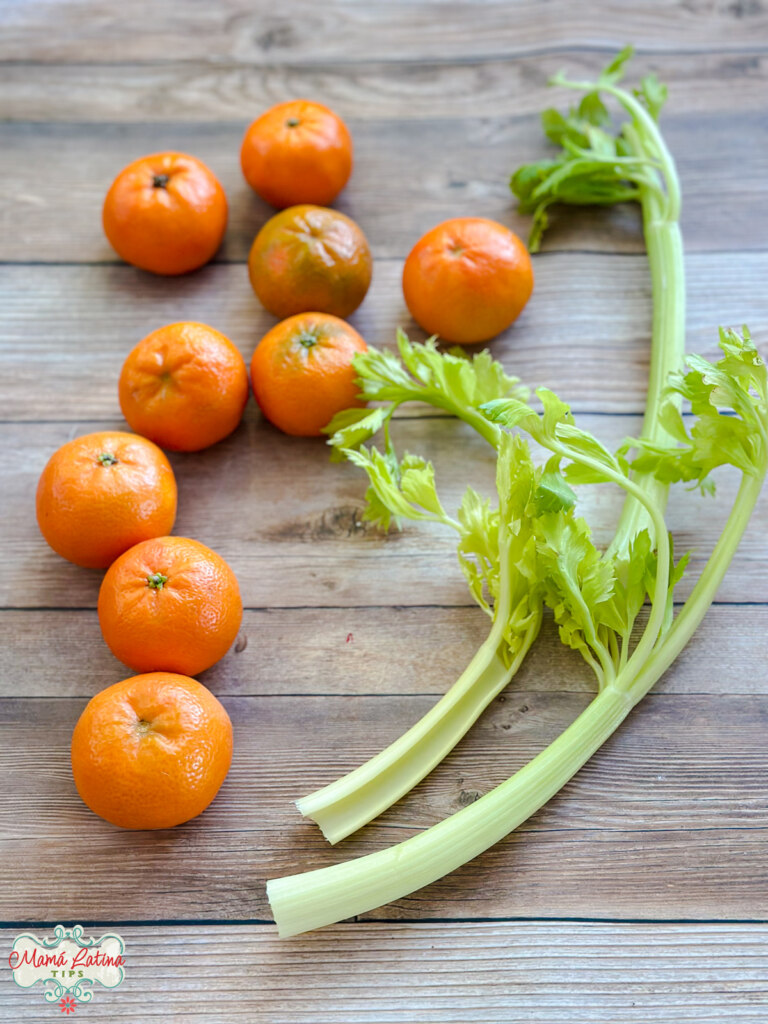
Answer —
640 893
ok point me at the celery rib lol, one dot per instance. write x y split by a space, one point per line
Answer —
316 898
705 588
595 597
665 261
313 899
350 802
356 798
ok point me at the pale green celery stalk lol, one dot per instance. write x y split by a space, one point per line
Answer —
356 798
316 898
664 244
359 796
661 213
703 594
665 259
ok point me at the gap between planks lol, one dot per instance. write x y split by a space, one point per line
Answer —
359 922
233 93
536 972
293 532
432 63
216 262
584 334
379 651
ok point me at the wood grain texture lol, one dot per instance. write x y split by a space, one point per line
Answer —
291 526
98 31
585 334
350 636
339 652
520 972
409 175
677 794
701 84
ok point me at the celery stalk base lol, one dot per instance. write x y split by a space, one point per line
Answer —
316 898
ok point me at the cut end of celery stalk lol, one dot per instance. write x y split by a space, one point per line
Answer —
286 928
291 918
307 808
325 896
350 802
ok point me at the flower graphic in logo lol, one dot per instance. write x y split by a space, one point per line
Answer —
68 1005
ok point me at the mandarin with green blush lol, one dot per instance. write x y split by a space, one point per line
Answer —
310 259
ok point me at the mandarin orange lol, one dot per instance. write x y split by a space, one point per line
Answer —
170 604
165 213
297 152
302 372
184 387
102 493
310 258
467 279
151 751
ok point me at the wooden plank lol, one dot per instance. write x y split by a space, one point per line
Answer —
680 759
409 176
288 520
98 31
585 332
510 88
516 971
375 651
703 875
669 820
670 815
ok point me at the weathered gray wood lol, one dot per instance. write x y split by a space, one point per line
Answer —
585 333
288 520
520 972
408 176
703 84
676 795
659 875
669 819
373 651
349 32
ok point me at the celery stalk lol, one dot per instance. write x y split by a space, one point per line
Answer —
353 800
316 898
357 797
664 244
595 596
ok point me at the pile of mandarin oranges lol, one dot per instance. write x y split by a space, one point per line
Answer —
153 750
